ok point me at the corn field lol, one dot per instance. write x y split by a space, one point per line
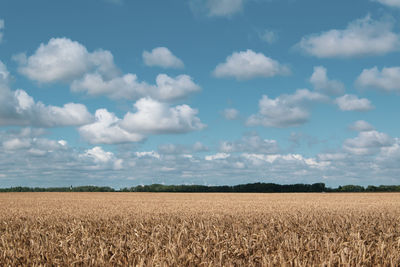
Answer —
172 229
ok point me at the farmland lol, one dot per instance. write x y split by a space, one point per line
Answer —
167 229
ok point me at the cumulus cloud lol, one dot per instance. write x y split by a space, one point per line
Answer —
353 103
95 73
30 155
102 158
98 154
249 64
25 111
250 143
128 87
47 162
321 82
328 157
375 163
62 59
19 108
368 142
168 88
361 126
217 156
285 110
162 57
4 78
362 37
388 79
16 143
28 140
106 130
260 159
151 154
151 117
230 113
154 117
390 3
1 29
390 154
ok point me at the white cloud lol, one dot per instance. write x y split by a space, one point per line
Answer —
16 143
375 163
102 158
369 142
62 59
268 36
387 80
162 57
331 156
151 154
391 153
353 103
361 126
27 112
251 143
37 152
106 130
321 82
260 159
128 87
62 142
57 162
1 29
153 117
217 156
249 64
71 114
168 88
28 140
362 37
18 108
95 73
391 3
285 110
230 113
182 149
4 78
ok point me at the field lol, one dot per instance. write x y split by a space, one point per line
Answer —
147 229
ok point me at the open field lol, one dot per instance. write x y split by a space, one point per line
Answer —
199 229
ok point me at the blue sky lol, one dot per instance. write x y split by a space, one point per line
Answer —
121 93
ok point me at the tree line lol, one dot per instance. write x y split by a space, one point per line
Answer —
241 188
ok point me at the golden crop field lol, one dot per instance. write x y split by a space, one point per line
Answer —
172 229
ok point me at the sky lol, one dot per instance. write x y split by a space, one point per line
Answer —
213 92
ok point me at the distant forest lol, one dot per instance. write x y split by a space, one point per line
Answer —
241 188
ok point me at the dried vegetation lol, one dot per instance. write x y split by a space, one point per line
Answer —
145 229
